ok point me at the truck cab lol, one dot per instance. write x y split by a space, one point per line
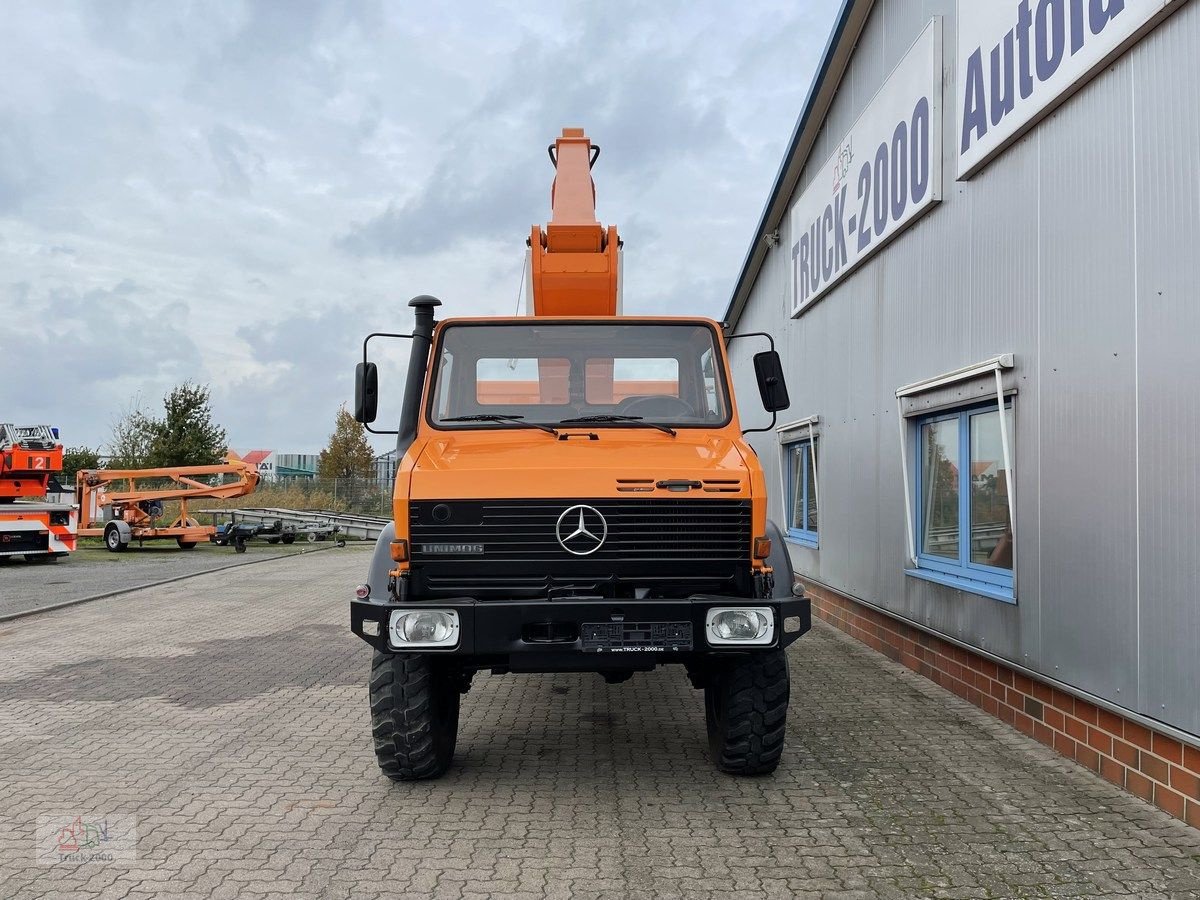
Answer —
575 494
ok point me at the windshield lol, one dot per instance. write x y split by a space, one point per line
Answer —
550 373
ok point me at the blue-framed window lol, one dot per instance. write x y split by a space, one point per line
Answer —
963 526
800 465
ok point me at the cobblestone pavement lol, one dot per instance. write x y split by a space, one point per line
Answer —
228 714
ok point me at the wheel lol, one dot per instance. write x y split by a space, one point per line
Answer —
745 707
185 545
112 538
414 715
239 546
273 540
289 539
312 537
341 543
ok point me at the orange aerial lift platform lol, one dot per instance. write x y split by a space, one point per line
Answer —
127 505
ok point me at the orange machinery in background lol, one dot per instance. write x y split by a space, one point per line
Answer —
39 530
112 505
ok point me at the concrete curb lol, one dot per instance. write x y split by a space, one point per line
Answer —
9 617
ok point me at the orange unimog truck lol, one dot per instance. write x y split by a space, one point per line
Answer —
575 495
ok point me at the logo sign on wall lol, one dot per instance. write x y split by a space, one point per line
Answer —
886 172
1018 58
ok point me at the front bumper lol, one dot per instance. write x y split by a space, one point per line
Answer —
556 628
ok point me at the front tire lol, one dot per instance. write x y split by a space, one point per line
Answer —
414 715
745 707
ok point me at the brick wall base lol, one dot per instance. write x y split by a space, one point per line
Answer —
1149 765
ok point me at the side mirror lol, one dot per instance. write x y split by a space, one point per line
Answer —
366 392
768 369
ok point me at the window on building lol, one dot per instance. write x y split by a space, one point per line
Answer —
963 526
801 475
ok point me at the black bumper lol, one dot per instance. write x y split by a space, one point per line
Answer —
534 629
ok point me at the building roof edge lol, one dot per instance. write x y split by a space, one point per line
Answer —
838 50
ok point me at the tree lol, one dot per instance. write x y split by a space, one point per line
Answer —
348 454
76 458
132 434
187 434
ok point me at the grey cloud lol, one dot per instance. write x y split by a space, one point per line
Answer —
194 191
636 101
233 156
75 359
310 373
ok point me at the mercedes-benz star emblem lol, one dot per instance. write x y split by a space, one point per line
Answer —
581 530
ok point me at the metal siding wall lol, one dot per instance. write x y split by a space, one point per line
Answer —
1003 317
1088 421
1057 252
1167 133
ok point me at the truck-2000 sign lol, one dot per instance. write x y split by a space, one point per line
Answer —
886 171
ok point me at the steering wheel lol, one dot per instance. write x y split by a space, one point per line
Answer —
656 407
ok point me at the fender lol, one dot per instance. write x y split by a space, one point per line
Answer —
781 562
381 562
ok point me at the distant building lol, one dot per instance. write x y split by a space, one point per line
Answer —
385 465
273 465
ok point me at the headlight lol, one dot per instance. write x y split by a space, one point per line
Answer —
744 625
423 628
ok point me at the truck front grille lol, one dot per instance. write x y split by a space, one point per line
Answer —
524 548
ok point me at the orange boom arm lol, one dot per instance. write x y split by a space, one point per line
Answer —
575 263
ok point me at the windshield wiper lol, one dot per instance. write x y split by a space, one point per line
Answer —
496 417
632 420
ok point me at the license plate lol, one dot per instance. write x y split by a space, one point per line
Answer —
637 637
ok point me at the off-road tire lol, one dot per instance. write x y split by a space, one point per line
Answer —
414 715
745 707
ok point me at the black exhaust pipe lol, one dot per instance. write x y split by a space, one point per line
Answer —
418 363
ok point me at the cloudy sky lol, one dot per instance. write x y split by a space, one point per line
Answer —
236 192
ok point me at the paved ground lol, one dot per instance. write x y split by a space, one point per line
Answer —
93 570
228 714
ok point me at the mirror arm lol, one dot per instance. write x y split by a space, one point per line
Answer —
771 427
367 340
734 337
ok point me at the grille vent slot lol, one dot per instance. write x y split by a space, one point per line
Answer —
722 485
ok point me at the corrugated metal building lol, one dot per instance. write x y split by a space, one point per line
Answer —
983 194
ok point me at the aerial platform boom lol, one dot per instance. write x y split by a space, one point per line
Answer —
112 503
575 262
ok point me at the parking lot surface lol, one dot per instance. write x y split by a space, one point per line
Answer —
92 570
227 714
